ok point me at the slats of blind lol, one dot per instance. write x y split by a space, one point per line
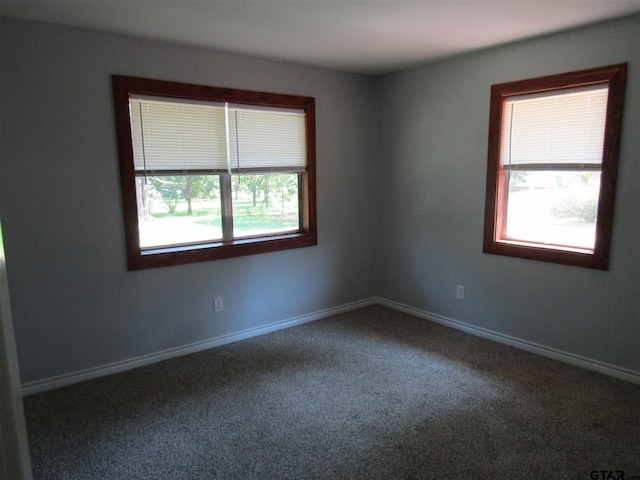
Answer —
173 135
262 139
564 128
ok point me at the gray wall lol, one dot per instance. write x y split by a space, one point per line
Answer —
399 216
75 306
432 153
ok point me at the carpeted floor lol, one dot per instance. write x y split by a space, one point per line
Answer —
370 394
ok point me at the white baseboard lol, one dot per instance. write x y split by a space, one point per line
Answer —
121 366
570 358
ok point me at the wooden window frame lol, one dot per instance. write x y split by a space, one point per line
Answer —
493 242
137 258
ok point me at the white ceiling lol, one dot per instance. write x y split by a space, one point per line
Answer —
367 36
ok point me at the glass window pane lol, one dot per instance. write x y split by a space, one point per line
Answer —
178 210
553 207
265 204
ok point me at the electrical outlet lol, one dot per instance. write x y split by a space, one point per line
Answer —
460 292
218 305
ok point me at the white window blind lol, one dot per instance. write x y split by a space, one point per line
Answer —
564 128
263 138
179 135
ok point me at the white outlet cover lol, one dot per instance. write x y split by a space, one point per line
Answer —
218 305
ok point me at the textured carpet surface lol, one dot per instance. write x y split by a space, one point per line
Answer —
370 394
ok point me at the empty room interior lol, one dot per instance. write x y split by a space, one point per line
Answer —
369 347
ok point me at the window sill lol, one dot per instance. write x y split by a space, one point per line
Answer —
183 254
546 246
549 253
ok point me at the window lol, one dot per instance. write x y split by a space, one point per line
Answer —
209 173
552 164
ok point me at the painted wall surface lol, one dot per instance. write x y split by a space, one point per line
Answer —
432 153
75 306
401 185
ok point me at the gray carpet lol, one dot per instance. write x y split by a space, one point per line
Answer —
370 394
